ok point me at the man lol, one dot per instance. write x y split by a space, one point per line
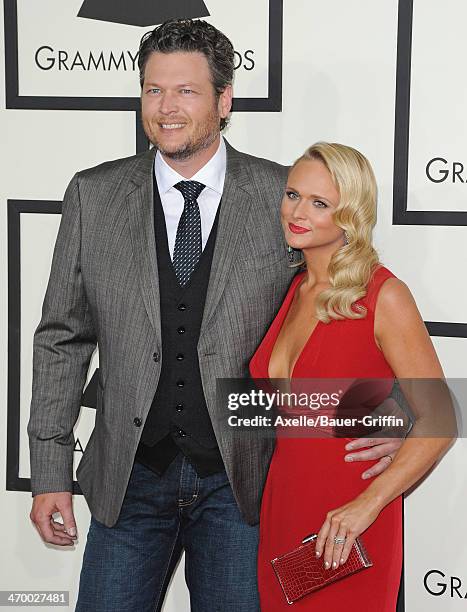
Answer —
173 261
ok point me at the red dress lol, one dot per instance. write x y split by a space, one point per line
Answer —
308 476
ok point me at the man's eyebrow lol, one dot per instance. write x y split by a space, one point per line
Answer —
186 84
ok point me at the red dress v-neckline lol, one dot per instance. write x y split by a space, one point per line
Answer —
279 321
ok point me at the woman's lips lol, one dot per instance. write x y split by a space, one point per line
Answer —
296 229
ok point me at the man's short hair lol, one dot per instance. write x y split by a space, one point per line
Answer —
190 35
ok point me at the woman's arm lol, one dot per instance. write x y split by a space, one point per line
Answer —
402 336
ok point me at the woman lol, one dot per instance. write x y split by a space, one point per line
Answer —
344 316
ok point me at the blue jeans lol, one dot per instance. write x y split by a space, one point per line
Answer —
127 567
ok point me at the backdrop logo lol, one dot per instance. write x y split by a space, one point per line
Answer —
142 12
48 58
415 138
440 170
85 56
436 583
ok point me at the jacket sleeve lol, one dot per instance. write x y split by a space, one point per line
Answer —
63 345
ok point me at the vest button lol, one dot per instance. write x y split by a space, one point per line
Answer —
181 307
179 407
180 383
181 433
180 357
156 357
137 421
181 329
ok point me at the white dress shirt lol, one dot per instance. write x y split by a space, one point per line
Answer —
212 175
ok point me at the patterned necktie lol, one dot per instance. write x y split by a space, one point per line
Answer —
188 246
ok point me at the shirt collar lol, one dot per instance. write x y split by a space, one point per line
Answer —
212 174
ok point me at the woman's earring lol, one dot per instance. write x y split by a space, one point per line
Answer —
290 253
346 238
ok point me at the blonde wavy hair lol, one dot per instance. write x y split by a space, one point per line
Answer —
352 265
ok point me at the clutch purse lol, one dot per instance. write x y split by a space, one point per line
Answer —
300 572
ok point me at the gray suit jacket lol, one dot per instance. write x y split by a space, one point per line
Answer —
104 289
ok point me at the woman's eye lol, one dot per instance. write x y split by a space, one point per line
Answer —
320 204
292 195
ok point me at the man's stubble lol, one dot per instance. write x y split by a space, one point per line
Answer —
201 139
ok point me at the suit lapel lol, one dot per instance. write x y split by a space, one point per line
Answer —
141 217
236 201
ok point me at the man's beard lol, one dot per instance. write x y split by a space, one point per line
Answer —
203 137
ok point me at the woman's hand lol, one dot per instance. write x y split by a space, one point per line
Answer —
348 522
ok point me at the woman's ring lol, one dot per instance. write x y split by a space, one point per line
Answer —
339 540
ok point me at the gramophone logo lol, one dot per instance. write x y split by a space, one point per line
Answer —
142 12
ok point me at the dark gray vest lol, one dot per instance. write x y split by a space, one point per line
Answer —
178 414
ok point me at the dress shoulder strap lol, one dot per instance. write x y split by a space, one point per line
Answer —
379 276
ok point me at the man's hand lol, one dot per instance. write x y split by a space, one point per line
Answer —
383 449
44 506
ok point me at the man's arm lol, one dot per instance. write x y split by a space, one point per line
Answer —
384 448
63 345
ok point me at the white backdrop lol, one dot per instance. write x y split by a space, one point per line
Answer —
339 84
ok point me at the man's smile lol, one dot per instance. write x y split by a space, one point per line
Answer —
172 126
